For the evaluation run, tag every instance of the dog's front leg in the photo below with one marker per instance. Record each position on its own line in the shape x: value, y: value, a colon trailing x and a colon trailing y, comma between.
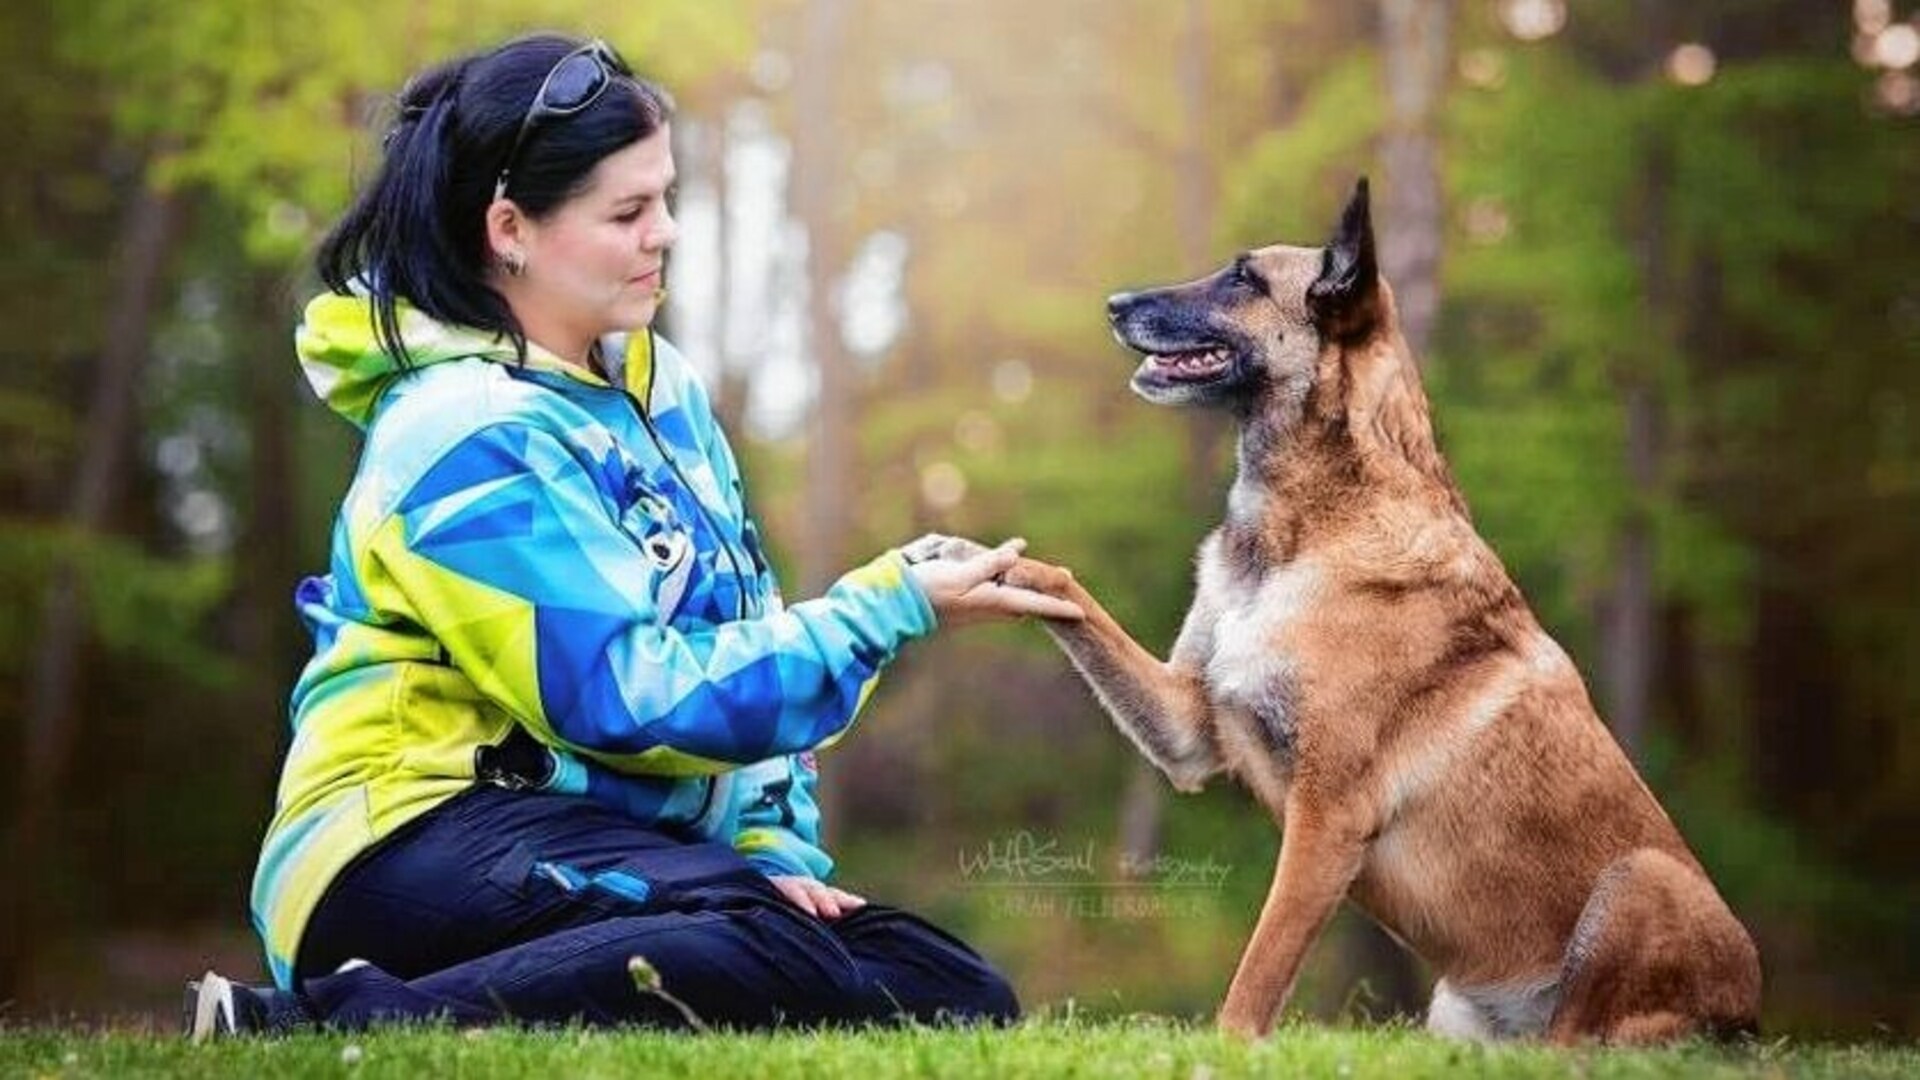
x: 1320, y: 855
x: 1162, y: 707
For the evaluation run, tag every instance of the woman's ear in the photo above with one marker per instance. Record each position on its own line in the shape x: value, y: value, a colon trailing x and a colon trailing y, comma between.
x: 507, y: 235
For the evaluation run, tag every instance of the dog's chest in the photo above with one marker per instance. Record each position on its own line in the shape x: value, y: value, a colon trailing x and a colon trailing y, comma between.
x: 1251, y: 671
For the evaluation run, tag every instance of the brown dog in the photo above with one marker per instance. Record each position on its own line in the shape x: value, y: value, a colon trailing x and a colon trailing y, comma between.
x: 1358, y: 658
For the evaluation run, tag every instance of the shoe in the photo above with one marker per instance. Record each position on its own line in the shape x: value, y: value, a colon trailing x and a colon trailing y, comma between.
x: 216, y: 1007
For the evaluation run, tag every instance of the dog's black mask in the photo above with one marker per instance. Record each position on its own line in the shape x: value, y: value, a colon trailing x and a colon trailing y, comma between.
x: 1197, y: 352
x: 1258, y: 321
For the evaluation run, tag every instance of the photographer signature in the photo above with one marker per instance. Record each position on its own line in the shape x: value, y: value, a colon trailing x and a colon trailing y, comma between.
x: 1025, y: 857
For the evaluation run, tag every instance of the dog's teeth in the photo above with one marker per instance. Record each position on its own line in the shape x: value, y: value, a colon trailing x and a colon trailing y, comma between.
x: 1191, y: 361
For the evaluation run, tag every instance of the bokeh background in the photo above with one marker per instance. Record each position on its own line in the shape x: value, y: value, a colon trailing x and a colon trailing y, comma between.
x: 1659, y: 260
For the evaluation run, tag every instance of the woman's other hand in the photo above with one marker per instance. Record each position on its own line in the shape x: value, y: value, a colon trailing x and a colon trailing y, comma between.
x: 964, y: 583
x: 816, y: 898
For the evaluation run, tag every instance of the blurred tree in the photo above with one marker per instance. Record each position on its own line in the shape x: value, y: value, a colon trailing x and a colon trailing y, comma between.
x: 819, y: 194
x: 1416, y: 60
x: 1629, y: 632
x: 1196, y: 201
x: 145, y: 243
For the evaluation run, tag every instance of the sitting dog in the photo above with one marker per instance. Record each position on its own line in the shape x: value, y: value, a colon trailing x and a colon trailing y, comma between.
x: 1357, y: 657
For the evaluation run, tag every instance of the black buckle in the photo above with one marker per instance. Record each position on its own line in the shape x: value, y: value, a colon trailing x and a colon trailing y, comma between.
x: 518, y: 762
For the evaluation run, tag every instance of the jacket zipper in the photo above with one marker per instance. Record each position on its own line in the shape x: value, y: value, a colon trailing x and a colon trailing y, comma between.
x: 733, y: 563
x: 706, y: 801
x: 646, y: 422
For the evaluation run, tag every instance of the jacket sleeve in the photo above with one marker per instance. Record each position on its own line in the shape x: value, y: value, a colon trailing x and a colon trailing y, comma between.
x: 778, y: 820
x: 507, y: 551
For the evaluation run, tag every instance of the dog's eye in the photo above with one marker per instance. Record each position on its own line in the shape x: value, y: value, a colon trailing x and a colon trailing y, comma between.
x: 1243, y: 275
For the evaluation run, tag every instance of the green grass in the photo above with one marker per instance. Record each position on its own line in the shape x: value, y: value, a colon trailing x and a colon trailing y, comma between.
x: 1046, y: 1048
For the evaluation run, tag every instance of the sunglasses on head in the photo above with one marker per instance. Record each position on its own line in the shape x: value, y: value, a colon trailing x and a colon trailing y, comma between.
x: 575, y: 81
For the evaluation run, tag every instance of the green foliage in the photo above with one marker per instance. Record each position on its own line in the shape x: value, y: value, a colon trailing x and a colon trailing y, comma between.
x: 140, y: 606
x: 1532, y: 336
x: 265, y: 103
x: 1289, y: 185
x: 31, y: 419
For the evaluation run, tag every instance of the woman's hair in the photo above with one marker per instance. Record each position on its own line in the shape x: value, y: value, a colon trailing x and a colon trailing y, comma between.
x: 418, y: 231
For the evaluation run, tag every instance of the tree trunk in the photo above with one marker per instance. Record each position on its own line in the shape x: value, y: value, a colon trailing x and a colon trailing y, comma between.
x: 816, y: 171
x: 1196, y: 204
x: 147, y: 235
x: 729, y: 387
x: 1792, y: 684
x: 1412, y: 212
x: 1415, y: 52
x: 267, y: 556
x: 1629, y: 632
x: 827, y: 514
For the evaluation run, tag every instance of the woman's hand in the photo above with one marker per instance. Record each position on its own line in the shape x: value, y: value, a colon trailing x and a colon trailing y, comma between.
x: 816, y: 898
x: 963, y: 581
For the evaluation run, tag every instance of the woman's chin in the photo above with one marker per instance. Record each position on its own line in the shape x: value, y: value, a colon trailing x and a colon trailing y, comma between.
x: 635, y: 315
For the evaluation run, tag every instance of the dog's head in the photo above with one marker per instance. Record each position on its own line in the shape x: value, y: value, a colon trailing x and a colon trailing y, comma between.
x: 1261, y: 321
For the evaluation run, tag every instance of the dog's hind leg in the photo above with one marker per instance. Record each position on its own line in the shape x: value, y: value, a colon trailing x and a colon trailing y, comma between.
x: 1161, y: 707
x: 1656, y: 955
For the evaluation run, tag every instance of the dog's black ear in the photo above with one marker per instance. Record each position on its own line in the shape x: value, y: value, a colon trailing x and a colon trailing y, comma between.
x: 1342, y: 297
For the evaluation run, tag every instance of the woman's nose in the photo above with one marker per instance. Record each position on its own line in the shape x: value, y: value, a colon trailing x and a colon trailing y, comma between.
x: 665, y: 233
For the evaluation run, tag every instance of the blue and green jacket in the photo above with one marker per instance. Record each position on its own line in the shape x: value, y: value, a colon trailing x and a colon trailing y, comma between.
x: 531, y: 554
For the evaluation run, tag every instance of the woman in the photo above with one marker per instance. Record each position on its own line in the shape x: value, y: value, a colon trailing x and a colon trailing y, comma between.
x: 552, y: 756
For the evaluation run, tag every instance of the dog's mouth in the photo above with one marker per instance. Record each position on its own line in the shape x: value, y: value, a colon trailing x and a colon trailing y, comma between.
x: 1179, y: 373
x: 1189, y: 365
x: 1189, y: 356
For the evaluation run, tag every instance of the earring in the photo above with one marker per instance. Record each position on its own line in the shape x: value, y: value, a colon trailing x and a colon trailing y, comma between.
x: 515, y: 261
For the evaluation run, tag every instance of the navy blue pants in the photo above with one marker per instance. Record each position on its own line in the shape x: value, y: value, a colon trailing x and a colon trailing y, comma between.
x: 509, y: 906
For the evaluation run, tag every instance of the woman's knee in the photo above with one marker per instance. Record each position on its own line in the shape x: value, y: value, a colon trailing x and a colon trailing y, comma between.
x: 989, y: 1000
x: 927, y: 974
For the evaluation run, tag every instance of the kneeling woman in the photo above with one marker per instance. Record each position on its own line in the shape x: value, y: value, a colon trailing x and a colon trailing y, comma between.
x: 558, y: 720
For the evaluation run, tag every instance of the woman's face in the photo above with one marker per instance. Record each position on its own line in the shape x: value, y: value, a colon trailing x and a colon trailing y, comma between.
x: 597, y: 262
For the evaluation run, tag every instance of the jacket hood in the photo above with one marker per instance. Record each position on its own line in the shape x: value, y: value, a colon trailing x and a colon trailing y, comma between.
x: 341, y: 354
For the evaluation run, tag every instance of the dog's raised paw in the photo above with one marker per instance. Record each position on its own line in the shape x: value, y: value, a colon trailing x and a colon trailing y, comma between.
x: 1040, y: 577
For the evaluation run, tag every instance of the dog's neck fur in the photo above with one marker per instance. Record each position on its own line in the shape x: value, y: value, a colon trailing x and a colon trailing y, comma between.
x: 1308, y: 445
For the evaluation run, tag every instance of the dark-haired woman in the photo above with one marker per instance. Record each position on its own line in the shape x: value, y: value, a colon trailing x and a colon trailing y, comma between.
x: 552, y: 757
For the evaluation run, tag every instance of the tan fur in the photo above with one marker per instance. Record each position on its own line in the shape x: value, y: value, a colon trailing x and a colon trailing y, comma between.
x: 1358, y: 659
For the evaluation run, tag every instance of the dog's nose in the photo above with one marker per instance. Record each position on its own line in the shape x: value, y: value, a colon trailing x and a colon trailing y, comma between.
x: 1117, y: 303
